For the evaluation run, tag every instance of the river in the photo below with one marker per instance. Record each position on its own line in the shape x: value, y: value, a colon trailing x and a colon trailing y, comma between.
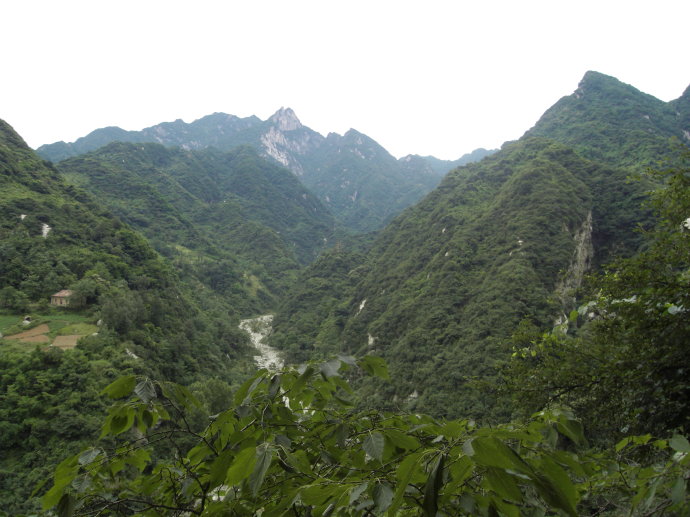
x: 258, y: 329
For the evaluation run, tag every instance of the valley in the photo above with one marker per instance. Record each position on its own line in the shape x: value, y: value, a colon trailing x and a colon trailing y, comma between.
x: 348, y: 319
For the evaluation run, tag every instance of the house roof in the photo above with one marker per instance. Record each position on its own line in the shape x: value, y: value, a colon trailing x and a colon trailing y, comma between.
x: 62, y: 294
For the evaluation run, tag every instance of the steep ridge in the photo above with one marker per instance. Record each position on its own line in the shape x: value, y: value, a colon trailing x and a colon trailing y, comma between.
x: 505, y: 239
x: 449, y: 280
x: 362, y: 184
x: 612, y: 122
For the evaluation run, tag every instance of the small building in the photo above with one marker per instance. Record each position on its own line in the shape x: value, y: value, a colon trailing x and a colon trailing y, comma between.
x: 61, y: 298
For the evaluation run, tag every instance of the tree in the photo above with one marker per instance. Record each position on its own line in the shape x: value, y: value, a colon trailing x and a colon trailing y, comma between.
x: 12, y: 299
x: 293, y: 444
x: 626, y: 368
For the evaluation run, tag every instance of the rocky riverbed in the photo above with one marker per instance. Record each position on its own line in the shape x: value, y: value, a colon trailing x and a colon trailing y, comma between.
x: 259, y: 329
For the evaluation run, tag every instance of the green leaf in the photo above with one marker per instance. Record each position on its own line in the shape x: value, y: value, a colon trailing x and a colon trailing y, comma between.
x: 555, y: 486
x: 383, y: 497
x: 301, y: 381
x: 348, y: 359
x: 572, y: 429
x: 181, y: 395
x: 454, y: 429
x: 145, y: 390
x: 373, y: 445
x: 402, y: 440
x: 433, y: 487
x: 247, y: 387
x: 623, y: 443
x: 146, y: 419
x: 264, y: 455
x: 461, y: 469
x: 404, y: 473
x: 138, y: 458
x: 299, y: 461
x: 121, y: 419
x: 120, y: 388
x: 274, y: 387
x: 330, y: 368
x: 65, y: 473
x: 241, y: 467
x: 341, y: 433
x: 219, y: 467
x: 679, y: 443
x: 65, y: 507
x: 198, y: 453
x: 504, y: 508
x: 503, y: 484
x: 357, y: 491
x: 87, y: 457
x: 678, y: 491
x: 492, y: 452
x: 375, y: 366
x: 317, y: 493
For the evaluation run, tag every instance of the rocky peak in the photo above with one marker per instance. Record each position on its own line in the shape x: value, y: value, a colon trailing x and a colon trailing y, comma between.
x: 285, y: 120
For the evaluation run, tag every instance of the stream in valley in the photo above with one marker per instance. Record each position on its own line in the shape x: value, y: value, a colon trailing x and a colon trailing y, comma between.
x: 259, y: 329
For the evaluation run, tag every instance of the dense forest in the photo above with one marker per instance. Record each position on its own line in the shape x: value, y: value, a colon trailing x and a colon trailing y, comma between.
x: 514, y: 343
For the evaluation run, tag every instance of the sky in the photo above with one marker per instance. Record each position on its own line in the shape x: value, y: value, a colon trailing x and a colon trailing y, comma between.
x: 425, y: 77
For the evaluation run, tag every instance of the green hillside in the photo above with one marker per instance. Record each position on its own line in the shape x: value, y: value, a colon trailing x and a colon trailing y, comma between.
x: 532, y: 299
x: 612, y: 122
x: 447, y: 282
x: 230, y: 208
x: 509, y: 238
x: 55, y: 236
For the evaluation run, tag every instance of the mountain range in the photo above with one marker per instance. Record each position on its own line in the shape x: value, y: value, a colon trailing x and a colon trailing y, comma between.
x: 507, y: 239
x: 357, y: 179
x: 170, y: 235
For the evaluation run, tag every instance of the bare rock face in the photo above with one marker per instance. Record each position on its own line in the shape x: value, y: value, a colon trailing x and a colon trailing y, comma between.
x: 579, y: 265
x: 286, y: 140
x: 285, y: 120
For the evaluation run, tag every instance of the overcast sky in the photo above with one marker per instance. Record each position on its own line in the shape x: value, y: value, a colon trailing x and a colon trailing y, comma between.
x: 422, y: 77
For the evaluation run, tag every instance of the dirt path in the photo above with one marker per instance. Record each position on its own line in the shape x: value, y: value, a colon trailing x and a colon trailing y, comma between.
x: 36, y: 331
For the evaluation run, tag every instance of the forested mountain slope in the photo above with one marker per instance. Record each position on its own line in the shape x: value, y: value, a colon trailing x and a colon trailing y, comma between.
x: 233, y: 208
x: 612, y: 122
x: 448, y: 281
x: 54, y: 236
x: 358, y: 180
x: 509, y: 238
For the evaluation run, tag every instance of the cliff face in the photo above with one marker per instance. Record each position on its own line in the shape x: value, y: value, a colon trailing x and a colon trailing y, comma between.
x: 580, y: 264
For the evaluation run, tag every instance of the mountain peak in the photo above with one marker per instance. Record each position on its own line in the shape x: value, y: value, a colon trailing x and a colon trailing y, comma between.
x: 285, y: 119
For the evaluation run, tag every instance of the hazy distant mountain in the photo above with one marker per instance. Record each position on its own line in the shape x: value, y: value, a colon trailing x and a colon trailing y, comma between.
x: 442, y: 167
x: 356, y: 178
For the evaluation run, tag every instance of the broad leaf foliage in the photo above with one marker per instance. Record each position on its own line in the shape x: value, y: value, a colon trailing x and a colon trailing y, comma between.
x: 291, y: 444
